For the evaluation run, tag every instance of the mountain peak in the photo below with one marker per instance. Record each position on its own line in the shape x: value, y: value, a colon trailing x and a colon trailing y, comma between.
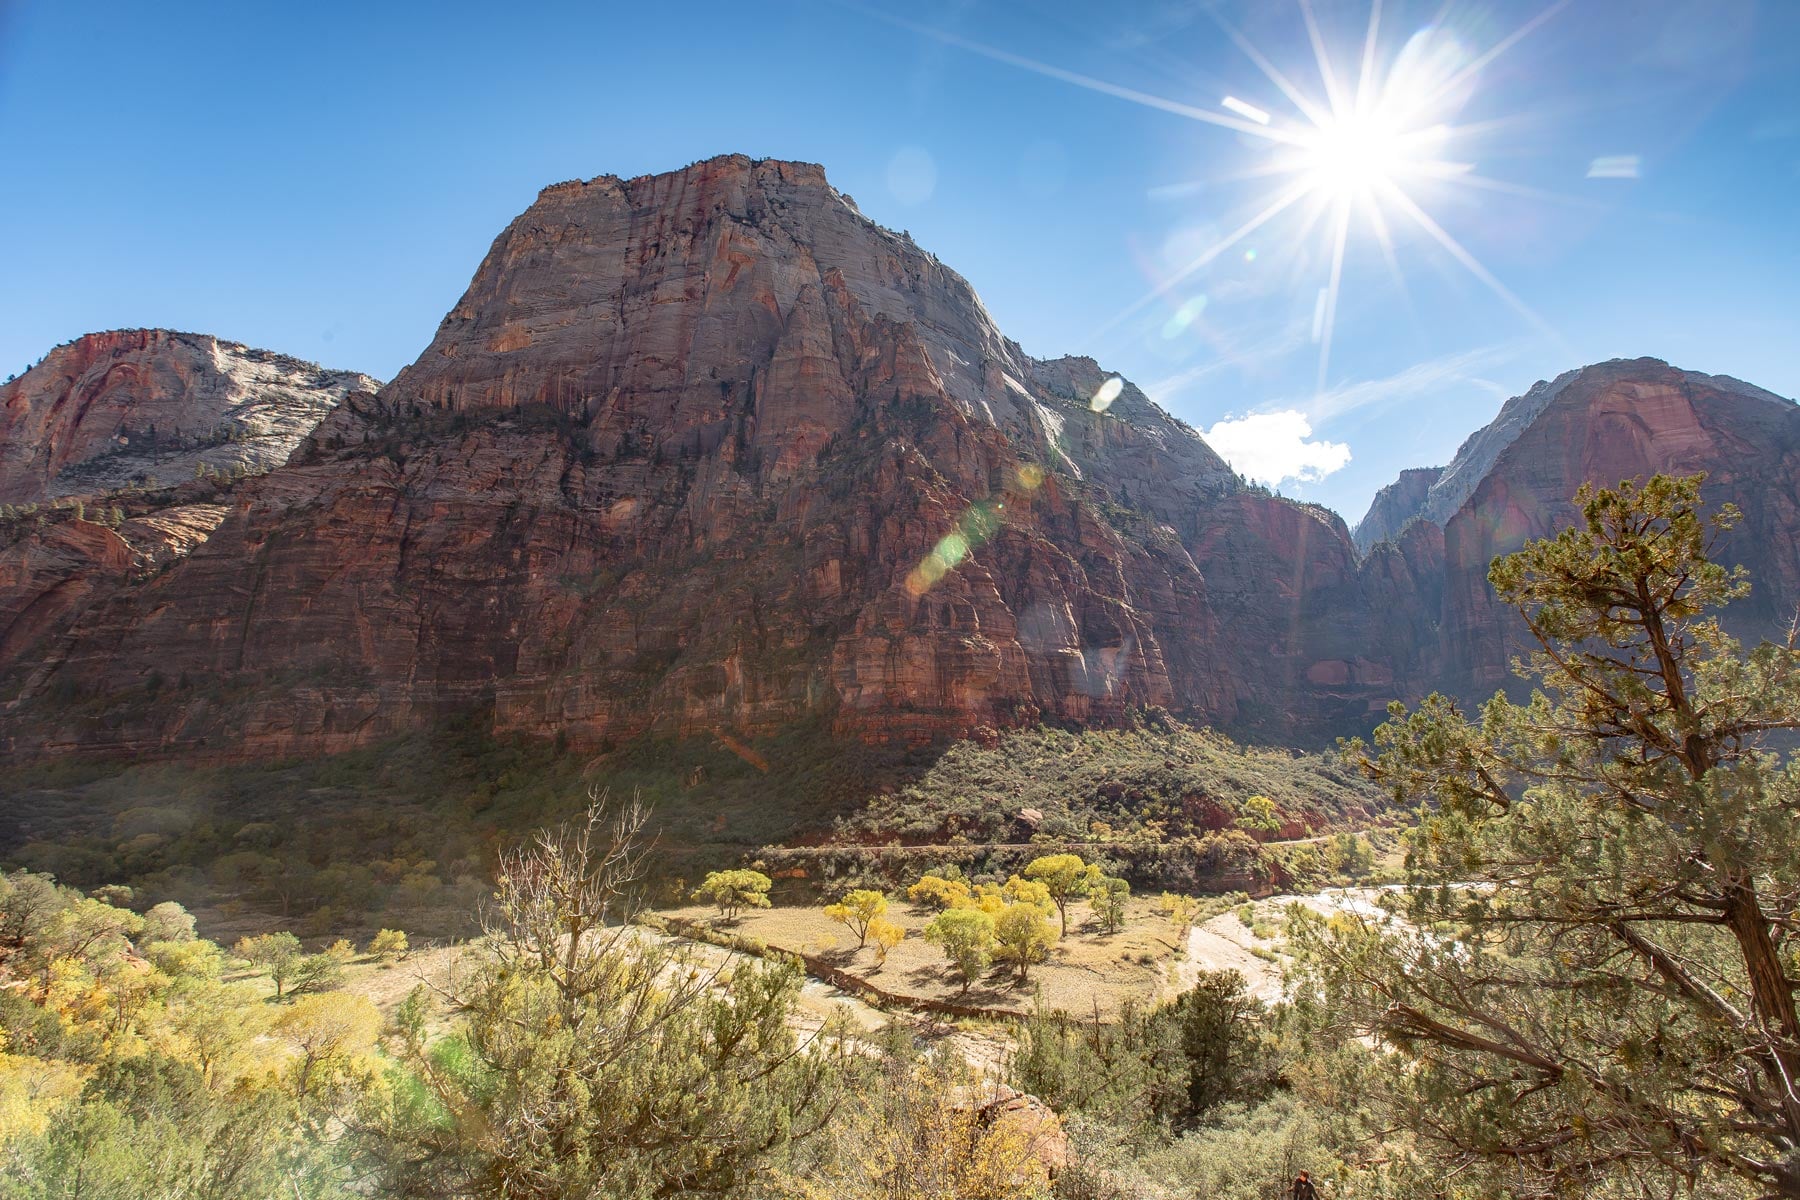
x: 708, y: 450
x: 127, y: 405
x: 1665, y: 406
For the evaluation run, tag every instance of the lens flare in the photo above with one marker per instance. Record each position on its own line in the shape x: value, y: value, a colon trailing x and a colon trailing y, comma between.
x: 979, y: 523
x: 1106, y: 394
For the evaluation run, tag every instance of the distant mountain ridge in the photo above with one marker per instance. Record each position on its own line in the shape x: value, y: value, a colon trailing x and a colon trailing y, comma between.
x: 151, y: 406
x: 1436, y: 493
x: 709, y: 453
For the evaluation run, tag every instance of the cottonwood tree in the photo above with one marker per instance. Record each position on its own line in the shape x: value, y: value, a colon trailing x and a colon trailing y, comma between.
x: 1066, y: 877
x: 886, y: 935
x: 594, y: 1059
x: 1108, y: 897
x: 1023, y: 936
x: 1590, y: 985
x: 966, y: 936
x: 734, y: 891
x: 858, y: 911
x: 939, y: 891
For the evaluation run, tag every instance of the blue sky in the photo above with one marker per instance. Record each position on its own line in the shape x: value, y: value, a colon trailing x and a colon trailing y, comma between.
x: 322, y: 179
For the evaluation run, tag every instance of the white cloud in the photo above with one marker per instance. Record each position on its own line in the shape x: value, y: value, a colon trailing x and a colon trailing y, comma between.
x: 1270, y: 447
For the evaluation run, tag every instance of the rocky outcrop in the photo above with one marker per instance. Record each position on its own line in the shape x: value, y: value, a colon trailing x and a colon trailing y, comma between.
x: 1028, y: 1124
x: 143, y: 406
x: 1395, y: 506
x: 711, y: 451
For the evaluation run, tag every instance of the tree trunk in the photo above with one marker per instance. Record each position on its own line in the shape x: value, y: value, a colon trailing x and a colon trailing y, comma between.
x: 1771, y: 992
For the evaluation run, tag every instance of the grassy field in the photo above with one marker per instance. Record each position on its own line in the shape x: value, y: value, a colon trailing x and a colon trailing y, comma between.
x: 1087, y: 968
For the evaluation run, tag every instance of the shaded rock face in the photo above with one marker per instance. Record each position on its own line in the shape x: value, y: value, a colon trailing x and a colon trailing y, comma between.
x: 1624, y: 420
x: 55, y: 564
x: 1394, y: 506
x: 49, y: 575
x: 147, y: 405
x: 710, y: 451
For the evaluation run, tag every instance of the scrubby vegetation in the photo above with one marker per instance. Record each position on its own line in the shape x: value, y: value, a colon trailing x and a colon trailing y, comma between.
x: 137, y: 1060
x: 1158, y: 779
x: 573, y: 1055
x: 403, y: 834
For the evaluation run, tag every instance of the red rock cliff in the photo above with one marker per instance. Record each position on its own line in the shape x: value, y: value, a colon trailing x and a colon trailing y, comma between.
x: 1618, y: 420
x: 709, y: 450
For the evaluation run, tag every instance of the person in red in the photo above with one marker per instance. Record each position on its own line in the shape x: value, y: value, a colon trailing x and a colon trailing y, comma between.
x: 1303, y: 1188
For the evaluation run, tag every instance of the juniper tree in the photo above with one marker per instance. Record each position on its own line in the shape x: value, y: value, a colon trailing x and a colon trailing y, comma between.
x: 592, y: 1059
x: 1589, y: 986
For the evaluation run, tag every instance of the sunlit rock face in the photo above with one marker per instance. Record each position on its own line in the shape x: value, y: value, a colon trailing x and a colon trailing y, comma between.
x: 1513, y: 479
x: 710, y: 451
x: 146, y: 406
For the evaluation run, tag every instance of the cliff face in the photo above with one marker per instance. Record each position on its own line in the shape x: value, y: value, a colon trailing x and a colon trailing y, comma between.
x: 147, y: 405
x: 1394, y: 505
x: 1513, y: 480
x: 710, y: 451
x: 1623, y: 420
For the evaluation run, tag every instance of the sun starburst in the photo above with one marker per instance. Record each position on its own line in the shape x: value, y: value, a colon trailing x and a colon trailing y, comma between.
x: 1357, y: 157
x: 1354, y: 159
x: 1354, y: 154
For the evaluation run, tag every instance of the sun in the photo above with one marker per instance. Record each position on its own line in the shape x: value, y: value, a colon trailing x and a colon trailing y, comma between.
x: 1353, y: 156
x: 1355, y: 153
x: 1361, y: 151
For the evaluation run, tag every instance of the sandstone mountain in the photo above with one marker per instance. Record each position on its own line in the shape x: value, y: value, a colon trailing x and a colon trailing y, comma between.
x: 148, y: 406
x: 1394, y: 506
x: 1624, y: 419
x: 125, y: 421
x: 710, y: 451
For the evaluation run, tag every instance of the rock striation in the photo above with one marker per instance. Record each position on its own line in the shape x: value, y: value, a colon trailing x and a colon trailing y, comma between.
x: 1513, y: 480
x: 710, y: 451
x: 147, y: 406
